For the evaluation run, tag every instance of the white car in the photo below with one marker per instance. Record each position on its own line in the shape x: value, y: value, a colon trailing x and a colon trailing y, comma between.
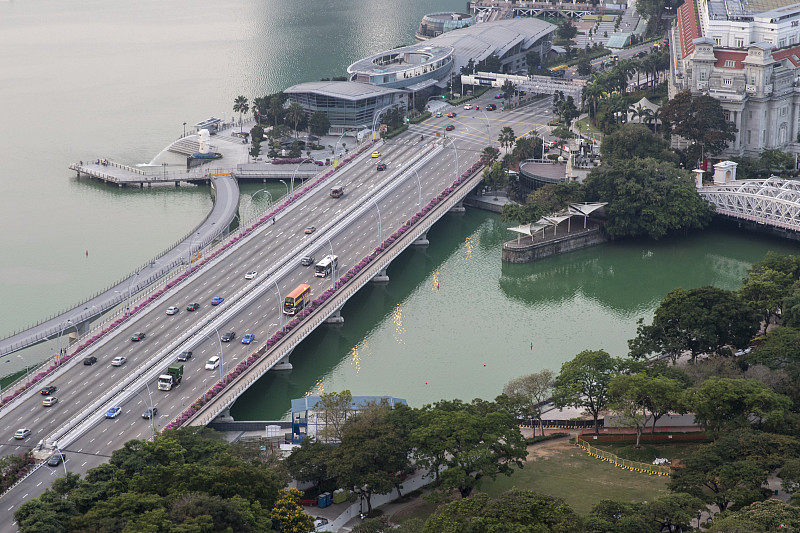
x: 212, y: 363
x: 251, y: 275
x: 172, y: 310
x: 118, y: 361
x: 50, y: 401
x: 467, y: 106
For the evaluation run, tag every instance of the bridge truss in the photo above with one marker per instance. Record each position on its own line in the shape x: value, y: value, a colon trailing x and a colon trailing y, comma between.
x: 773, y: 201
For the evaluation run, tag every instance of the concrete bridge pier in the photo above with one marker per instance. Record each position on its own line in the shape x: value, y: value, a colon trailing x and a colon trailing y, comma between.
x: 284, y: 363
x: 82, y: 329
x: 458, y: 208
x: 422, y: 240
x: 381, y: 276
x: 335, y: 318
x: 224, y: 416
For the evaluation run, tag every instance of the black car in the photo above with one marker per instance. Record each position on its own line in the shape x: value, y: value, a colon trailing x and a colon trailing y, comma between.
x: 184, y: 356
x: 48, y: 390
x: 640, y: 54
x: 89, y: 361
x: 193, y: 307
x: 228, y: 337
x: 307, y: 260
x: 381, y: 166
x: 150, y: 413
x: 56, y: 459
x: 491, y: 107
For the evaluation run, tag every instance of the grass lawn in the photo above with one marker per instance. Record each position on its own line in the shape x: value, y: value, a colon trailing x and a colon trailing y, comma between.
x: 581, y: 126
x: 566, y: 471
x: 648, y: 452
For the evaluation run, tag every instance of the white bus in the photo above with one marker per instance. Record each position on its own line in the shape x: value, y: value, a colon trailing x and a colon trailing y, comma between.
x: 326, y: 266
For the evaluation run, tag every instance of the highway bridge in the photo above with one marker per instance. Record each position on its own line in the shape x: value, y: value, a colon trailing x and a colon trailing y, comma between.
x: 368, y: 221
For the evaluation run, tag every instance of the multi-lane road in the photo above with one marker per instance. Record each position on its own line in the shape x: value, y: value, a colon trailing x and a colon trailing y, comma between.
x: 250, y: 306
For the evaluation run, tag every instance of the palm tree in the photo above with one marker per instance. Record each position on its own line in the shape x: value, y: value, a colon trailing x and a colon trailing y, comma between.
x: 240, y: 106
x: 276, y: 108
x: 592, y: 94
x: 295, y: 114
x: 260, y: 107
x: 506, y: 137
x: 638, y: 111
x: 489, y: 154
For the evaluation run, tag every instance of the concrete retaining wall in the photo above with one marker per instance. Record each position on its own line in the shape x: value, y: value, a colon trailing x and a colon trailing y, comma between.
x: 521, y: 253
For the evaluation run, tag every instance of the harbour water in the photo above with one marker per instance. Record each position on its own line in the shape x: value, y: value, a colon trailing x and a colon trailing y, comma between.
x: 88, y: 79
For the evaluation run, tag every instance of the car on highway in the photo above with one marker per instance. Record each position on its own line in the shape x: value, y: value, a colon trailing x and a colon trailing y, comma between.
x: 172, y: 310
x: 212, y: 363
x: 184, y: 356
x: 113, y: 412
x: 451, y: 115
x: 150, y: 413
x: 449, y: 127
x: 498, y: 96
x: 89, y: 361
x: 491, y: 107
x: 467, y: 106
x: 50, y: 400
x: 216, y: 300
x: 640, y: 54
x: 228, y: 336
x: 381, y: 166
x: 56, y: 459
x: 119, y: 361
x: 248, y: 338
x: 137, y: 336
x: 438, y: 114
x: 376, y: 154
x: 251, y: 275
x: 193, y: 307
x: 309, y: 230
x: 307, y: 260
x: 50, y: 389
x: 23, y: 433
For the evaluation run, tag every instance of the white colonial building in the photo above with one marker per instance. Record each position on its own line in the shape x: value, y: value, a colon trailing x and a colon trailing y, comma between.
x: 748, y: 58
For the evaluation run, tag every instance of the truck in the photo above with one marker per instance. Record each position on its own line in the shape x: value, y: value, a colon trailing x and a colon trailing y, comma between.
x: 172, y: 377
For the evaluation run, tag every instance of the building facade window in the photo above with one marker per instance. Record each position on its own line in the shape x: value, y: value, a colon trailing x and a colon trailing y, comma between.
x: 739, y: 44
x: 730, y: 63
x: 702, y: 75
x: 727, y: 82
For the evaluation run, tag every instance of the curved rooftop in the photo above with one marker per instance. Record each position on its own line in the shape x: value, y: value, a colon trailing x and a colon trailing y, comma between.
x: 402, y: 67
x: 435, y: 24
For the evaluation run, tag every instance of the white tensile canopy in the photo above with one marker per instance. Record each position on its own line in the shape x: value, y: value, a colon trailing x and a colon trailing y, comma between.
x: 583, y: 209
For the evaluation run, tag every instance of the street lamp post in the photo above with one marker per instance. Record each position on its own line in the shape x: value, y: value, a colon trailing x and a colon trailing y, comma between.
x: 298, y: 168
x: 164, y: 166
x: 27, y: 368
x: 189, y: 258
x: 280, y: 304
x: 419, y: 184
x: 128, y: 303
x: 58, y: 340
x: 152, y: 411
x: 221, y: 356
x: 252, y: 205
x: 63, y: 459
x: 285, y: 185
x: 380, y: 229
x: 184, y: 129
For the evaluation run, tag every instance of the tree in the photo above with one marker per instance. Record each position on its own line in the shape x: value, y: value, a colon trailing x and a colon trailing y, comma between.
x: 529, y: 393
x: 295, y: 114
x: 776, y: 160
x: 583, y: 382
x: 513, y: 511
x: 780, y: 350
x: 534, y: 61
x: 765, y: 291
x: 566, y: 30
x: 634, y: 140
x: 758, y: 517
x: 288, y: 515
x: 526, y: 148
x: 371, y: 452
x: 506, y: 137
x: 641, y: 397
x: 319, y: 124
x: 720, y: 403
x: 508, y: 89
x: 699, y: 119
x: 309, y: 462
x: 490, y: 64
x: 647, y: 197
x: 555, y: 197
x: 584, y: 66
x: 495, y: 175
x: 333, y: 409
x: 276, y: 109
x: 467, y: 443
x: 561, y: 133
x: 489, y: 155
x: 699, y: 321
x: 240, y: 106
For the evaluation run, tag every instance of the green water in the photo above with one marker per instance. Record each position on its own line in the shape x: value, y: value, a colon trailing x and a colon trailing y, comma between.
x: 488, y: 321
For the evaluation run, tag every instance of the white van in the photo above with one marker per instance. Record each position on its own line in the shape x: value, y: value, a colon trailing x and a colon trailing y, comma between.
x: 213, y: 363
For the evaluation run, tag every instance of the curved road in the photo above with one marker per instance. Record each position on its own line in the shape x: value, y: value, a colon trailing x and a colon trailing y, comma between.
x: 226, y: 204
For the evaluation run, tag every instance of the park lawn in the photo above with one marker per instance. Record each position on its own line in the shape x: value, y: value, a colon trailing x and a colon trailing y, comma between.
x: 562, y: 469
x: 648, y: 452
x: 587, y: 128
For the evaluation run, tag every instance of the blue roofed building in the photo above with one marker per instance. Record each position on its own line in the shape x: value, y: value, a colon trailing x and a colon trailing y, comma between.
x: 310, y: 418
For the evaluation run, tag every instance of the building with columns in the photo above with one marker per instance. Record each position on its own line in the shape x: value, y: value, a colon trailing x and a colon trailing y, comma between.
x: 757, y: 82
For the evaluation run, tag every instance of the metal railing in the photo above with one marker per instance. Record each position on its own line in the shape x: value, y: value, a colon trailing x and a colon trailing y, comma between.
x: 634, y: 466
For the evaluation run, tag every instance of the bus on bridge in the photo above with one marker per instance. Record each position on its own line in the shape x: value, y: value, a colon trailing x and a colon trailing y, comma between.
x: 297, y: 300
x: 328, y: 264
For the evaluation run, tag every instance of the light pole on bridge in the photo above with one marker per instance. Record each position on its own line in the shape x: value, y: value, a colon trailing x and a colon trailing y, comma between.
x: 287, y: 187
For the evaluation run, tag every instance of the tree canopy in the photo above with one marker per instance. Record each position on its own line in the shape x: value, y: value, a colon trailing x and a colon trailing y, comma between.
x: 699, y: 119
x: 647, y: 197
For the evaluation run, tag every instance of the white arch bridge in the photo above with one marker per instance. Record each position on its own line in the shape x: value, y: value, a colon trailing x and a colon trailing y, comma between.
x: 773, y: 201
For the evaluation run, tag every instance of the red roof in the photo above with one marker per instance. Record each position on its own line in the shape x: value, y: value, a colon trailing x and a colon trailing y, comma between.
x: 792, y: 54
x: 723, y: 56
x: 688, y: 28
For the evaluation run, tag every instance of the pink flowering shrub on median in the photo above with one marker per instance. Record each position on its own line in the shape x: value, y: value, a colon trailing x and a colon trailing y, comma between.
x: 315, y: 304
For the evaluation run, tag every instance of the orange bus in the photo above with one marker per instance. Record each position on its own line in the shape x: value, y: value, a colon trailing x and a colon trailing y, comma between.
x: 297, y: 300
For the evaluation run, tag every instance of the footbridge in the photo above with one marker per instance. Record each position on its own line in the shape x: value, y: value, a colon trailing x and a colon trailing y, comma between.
x: 770, y: 202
